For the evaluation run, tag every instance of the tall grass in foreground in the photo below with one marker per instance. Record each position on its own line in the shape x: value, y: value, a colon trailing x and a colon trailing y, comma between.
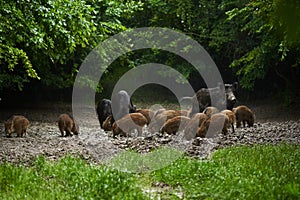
x: 70, y: 178
x: 258, y: 172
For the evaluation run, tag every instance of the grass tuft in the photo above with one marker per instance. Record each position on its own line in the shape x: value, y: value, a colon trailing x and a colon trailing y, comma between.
x: 258, y: 172
x: 70, y: 178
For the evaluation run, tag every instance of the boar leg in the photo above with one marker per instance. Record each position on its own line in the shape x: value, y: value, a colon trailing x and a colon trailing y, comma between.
x: 19, y: 133
x: 244, y: 123
x: 68, y: 132
x: 61, y: 131
x: 224, y: 131
x: 140, y: 131
x: 238, y: 124
x: 24, y: 132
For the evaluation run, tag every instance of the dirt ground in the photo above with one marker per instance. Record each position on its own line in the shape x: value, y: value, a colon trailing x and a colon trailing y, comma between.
x: 274, y: 124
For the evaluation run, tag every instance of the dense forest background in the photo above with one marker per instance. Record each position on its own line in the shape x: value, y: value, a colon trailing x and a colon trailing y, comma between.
x: 43, y: 43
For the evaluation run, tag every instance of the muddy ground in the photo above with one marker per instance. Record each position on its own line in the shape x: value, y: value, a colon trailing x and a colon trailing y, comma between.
x: 275, y: 123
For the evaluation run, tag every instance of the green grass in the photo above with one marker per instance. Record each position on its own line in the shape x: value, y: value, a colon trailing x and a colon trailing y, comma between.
x: 70, y: 178
x: 133, y: 162
x: 257, y: 172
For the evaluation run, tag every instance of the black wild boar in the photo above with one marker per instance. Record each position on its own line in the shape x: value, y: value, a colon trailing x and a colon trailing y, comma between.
x: 18, y: 124
x: 103, y: 110
x: 230, y: 97
x: 201, y: 99
x: 121, y: 105
x: 67, y: 124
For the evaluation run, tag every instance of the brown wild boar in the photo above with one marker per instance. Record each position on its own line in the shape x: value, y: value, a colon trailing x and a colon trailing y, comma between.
x: 193, y: 125
x: 147, y: 113
x: 209, y: 111
x: 243, y: 114
x: 185, y: 113
x: 213, y: 123
x: 171, y: 113
x: 67, y: 124
x: 128, y: 123
x: 17, y: 124
x: 159, y: 111
x: 171, y: 126
x: 107, y: 124
x: 161, y: 118
x: 230, y: 114
x: 157, y: 122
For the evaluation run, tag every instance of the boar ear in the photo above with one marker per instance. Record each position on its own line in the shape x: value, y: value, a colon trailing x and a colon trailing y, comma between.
x: 235, y: 86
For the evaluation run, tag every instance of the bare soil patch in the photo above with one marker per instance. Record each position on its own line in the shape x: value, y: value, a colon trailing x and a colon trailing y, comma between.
x: 275, y: 123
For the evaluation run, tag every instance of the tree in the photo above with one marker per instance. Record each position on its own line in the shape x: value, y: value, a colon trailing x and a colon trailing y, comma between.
x: 47, y: 40
x: 251, y: 38
x: 274, y: 47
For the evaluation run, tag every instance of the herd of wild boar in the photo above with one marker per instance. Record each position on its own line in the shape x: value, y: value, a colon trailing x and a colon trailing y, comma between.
x: 120, y: 116
x: 194, y: 122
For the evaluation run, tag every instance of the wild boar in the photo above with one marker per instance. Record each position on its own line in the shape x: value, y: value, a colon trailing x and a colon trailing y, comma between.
x: 149, y: 114
x: 243, y: 114
x: 18, y: 124
x: 103, y: 110
x: 193, y: 125
x: 230, y: 114
x: 185, y: 113
x: 230, y: 96
x: 121, y: 105
x: 171, y: 113
x: 213, y: 123
x: 201, y: 99
x: 171, y: 126
x: 67, y: 124
x: 209, y: 111
x: 128, y: 123
x: 161, y: 118
x: 107, y: 126
x: 159, y: 111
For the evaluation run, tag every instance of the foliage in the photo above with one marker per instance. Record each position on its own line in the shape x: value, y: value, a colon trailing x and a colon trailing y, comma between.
x: 47, y: 34
x: 258, y: 172
x: 70, y: 178
x: 263, y: 23
x: 48, y: 40
x: 255, y: 38
x: 11, y: 57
